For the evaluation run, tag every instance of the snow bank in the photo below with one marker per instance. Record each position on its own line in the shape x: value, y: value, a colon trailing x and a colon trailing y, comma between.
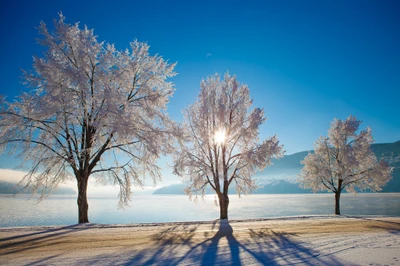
x: 309, y: 240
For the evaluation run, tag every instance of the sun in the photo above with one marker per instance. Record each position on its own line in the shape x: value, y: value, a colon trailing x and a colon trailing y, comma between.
x: 219, y: 136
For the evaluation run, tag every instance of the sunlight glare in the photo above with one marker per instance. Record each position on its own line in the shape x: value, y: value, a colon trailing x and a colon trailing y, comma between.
x: 219, y: 136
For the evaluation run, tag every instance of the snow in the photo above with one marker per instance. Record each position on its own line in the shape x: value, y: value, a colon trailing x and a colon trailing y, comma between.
x: 306, y: 240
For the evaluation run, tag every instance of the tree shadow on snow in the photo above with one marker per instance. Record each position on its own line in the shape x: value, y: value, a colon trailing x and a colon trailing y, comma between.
x: 385, y: 225
x: 260, y: 247
x: 23, y: 242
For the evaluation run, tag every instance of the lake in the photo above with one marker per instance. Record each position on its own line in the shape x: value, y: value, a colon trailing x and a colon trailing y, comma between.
x: 62, y: 210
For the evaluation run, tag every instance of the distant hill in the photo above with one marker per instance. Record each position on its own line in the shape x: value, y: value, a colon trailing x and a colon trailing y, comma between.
x: 281, y: 175
x: 386, y: 148
x: 281, y: 186
x: 171, y: 189
x: 12, y: 188
x: 287, y: 167
x: 391, y: 153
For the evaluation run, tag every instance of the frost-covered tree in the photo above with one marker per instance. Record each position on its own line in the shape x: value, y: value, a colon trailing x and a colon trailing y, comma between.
x: 92, y: 111
x: 221, y: 144
x: 344, y: 161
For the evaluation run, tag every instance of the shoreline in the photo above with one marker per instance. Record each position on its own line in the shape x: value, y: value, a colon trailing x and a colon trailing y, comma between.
x: 203, y: 222
x: 301, y: 240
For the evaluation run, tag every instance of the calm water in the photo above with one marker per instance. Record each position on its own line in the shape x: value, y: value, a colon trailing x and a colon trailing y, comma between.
x: 62, y: 210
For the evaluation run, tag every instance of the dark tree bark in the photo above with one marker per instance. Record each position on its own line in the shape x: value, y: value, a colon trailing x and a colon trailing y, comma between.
x: 83, y: 205
x: 223, y: 206
x: 337, y: 196
x: 337, y: 203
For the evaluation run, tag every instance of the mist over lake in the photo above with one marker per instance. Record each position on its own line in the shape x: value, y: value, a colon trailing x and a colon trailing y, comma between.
x: 22, y: 210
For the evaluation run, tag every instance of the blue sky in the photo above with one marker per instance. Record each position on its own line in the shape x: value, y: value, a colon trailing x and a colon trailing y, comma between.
x: 306, y: 62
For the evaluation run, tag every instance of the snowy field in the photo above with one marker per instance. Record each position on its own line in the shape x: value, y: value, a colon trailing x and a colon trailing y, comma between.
x: 309, y: 240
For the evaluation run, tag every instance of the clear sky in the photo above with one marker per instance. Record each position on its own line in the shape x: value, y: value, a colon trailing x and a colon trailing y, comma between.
x: 306, y: 62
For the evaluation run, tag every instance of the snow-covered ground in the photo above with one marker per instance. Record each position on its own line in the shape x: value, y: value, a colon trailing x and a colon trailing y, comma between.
x: 311, y: 240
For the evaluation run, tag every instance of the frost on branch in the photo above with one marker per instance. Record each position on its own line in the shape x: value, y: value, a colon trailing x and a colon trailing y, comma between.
x: 221, y: 142
x: 344, y: 161
x: 92, y: 111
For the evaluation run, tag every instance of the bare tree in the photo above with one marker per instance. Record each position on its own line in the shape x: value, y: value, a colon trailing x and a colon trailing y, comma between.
x: 344, y: 161
x: 91, y: 111
x: 221, y: 144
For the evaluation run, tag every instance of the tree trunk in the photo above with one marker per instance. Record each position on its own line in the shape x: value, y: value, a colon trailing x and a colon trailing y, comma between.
x: 83, y: 205
x: 337, y: 203
x: 223, y: 206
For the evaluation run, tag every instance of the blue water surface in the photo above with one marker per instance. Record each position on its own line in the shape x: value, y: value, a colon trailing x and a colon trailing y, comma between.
x: 22, y: 210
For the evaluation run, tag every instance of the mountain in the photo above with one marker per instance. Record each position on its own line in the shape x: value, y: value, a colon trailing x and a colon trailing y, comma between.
x: 171, y: 189
x: 281, y: 186
x: 386, y: 148
x: 391, y: 153
x: 12, y: 188
x: 280, y: 177
x: 287, y: 167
